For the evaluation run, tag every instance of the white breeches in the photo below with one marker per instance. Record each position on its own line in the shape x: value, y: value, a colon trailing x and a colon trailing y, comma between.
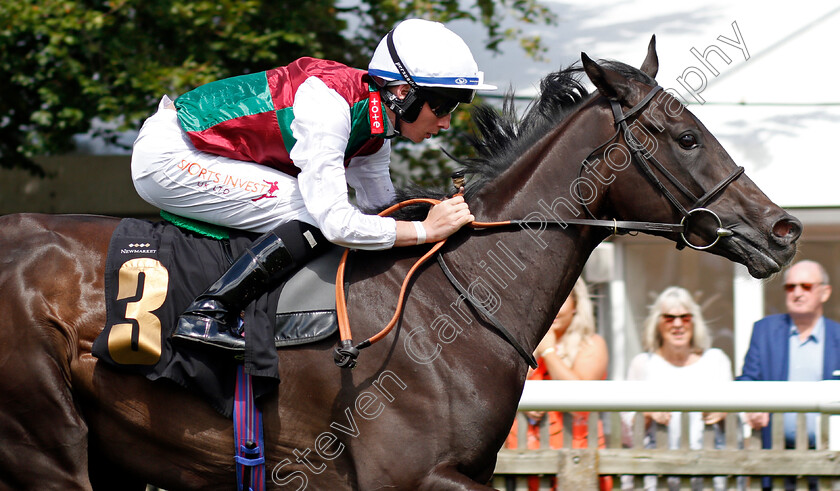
x: 168, y: 172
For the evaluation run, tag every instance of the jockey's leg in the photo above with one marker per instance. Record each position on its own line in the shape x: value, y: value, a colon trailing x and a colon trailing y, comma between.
x: 267, y: 261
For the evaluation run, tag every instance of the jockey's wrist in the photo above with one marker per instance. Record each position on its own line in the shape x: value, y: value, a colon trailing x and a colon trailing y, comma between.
x: 421, y: 232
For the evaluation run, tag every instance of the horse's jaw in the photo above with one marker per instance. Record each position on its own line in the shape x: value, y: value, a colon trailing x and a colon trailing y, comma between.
x: 761, y: 262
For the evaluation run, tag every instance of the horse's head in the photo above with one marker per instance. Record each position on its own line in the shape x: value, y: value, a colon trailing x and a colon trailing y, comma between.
x: 664, y: 166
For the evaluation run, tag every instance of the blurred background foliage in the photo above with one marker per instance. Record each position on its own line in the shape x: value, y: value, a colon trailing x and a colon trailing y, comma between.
x: 68, y: 63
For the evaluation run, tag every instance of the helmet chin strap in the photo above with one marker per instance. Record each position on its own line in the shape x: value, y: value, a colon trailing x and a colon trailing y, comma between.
x: 391, y: 100
x: 397, y: 126
x: 407, y: 108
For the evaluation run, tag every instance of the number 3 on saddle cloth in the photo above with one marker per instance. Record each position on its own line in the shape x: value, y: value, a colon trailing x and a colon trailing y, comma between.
x: 155, y: 270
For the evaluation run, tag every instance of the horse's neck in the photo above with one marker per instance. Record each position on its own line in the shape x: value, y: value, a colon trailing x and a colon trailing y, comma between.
x: 522, y: 275
x: 543, y: 264
x: 547, y: 170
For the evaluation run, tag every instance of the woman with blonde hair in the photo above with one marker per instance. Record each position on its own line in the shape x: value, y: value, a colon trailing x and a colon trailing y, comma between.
x: 570, y: 350
x: 677, y: 350
x: 677, y: 298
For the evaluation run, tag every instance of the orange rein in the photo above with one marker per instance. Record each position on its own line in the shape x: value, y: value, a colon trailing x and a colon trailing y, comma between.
x: 341, y: 301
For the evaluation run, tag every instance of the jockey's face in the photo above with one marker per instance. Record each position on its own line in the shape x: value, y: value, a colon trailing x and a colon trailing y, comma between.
x: 426, y: 125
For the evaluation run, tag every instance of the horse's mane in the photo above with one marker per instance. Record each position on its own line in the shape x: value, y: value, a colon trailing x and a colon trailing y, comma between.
x: 502, y: 137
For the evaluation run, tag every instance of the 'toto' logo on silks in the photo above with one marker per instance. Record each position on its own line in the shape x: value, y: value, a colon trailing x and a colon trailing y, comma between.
x: 377, y: 124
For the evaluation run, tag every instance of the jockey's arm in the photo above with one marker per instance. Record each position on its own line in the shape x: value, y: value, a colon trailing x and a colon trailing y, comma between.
x: 322, y: 128
x: 370, y: 177
x: 444, y: 220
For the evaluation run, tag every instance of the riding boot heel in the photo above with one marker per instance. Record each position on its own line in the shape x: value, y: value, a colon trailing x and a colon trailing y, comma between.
x: 214, y: 316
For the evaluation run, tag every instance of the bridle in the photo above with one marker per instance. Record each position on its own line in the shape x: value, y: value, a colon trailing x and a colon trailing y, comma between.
x: 644, y: 160
x: 346, y: 353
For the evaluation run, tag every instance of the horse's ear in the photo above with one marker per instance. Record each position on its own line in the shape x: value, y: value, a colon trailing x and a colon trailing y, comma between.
x: 610, y: 83
x: 651, y: 64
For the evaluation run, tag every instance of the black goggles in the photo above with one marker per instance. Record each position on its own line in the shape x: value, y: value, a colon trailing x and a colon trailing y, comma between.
x: 444, y: 101
x: 443, y: 107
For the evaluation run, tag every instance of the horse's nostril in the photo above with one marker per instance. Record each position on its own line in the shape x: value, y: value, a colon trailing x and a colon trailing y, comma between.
x: 787, y: 228
x: 782, y: 228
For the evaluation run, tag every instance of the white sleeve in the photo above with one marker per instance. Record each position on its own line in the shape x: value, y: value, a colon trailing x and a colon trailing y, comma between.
x: 723, y: 365
x: 636, y: 371
x: 321, y: 128
x: 370, y: 177
x: 638, y: 367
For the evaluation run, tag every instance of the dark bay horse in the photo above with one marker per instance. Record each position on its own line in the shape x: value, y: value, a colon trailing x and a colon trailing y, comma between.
x: 429, y: 406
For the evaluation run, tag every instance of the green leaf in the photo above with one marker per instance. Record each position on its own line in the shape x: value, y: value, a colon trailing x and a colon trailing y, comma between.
x: 69, y: 62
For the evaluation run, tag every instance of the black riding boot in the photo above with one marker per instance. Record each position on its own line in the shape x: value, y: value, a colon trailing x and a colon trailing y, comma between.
x: 269, y: 259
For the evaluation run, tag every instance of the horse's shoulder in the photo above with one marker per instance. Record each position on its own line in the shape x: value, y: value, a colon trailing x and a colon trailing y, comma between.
x: 59, y: 258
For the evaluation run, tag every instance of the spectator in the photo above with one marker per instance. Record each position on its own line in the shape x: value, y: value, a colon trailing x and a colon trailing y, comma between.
x: 799, y: 345
x: 677, y: 345
x: 570, y: 350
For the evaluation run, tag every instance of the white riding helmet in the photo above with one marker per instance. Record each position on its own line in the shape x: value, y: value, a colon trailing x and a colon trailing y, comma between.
x: 433, y: 60
x: 433, y: 55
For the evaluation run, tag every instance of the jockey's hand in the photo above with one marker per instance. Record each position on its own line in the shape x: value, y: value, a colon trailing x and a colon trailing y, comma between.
x: 446, y: 218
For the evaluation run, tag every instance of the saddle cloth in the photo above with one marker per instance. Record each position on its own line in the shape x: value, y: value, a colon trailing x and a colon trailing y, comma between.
x: 154, y: 271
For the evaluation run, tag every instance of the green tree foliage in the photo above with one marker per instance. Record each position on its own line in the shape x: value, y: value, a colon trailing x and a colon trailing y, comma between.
x: 66, y: 63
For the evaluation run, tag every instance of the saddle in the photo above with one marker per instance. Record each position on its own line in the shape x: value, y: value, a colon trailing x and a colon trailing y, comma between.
x: 154, y: 270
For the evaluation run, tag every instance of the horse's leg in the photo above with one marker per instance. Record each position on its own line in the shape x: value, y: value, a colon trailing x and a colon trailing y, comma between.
x: 44, y: 437
x: 445, y: 477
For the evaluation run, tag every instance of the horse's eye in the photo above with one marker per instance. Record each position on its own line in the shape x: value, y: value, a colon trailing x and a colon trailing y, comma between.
x: 687, y: 141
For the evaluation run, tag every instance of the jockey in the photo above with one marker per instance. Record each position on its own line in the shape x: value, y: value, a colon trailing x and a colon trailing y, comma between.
x: 273, y: 152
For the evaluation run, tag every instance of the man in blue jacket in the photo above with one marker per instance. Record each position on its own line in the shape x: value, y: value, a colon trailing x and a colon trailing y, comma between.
x: 799, y: 345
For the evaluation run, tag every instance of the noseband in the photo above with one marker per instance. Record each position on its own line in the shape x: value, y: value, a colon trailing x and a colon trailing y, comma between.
x: 646, y: 159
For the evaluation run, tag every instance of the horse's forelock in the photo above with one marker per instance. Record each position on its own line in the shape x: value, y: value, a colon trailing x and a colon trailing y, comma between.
x: 628, y: 71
